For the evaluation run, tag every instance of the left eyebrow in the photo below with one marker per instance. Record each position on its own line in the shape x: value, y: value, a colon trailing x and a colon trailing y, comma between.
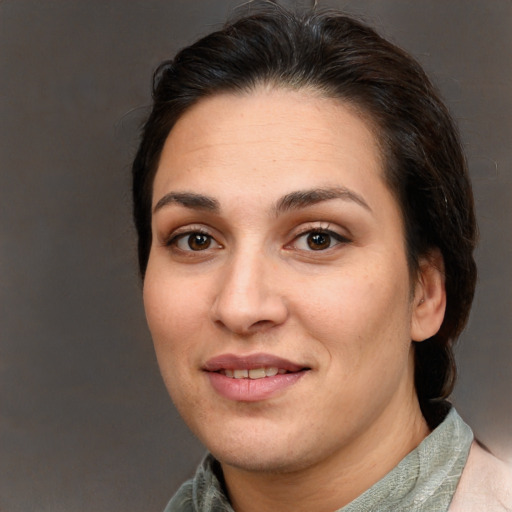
x: 188, y: 200
x: 305, y: 198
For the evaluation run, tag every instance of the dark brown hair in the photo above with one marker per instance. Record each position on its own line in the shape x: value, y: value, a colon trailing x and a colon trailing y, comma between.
x: 341, y: 58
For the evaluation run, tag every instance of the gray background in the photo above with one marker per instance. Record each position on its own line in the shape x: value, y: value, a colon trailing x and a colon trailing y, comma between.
x: 85, y: 423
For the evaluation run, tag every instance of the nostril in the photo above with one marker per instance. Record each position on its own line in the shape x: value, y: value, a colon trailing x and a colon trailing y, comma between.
x: 248, y: 328
x: 262, y: 323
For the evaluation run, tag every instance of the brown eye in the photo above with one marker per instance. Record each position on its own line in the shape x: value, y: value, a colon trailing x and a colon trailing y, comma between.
x: 194, y: 241
x: 318, y: 241
x: 198, y: 241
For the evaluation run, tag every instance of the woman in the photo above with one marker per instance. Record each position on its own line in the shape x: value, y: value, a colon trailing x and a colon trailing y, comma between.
x: 306, y: 230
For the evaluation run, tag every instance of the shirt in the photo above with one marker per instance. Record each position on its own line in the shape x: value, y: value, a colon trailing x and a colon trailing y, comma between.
x: 424, y: 480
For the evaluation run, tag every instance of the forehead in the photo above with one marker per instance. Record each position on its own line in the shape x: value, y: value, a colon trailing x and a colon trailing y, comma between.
x: 282, y: 137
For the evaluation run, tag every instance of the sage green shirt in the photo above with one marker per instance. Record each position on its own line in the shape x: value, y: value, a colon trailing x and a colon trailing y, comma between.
x: 424, y: 481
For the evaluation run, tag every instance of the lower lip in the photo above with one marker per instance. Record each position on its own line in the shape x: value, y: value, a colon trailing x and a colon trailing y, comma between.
x: 252, y: 390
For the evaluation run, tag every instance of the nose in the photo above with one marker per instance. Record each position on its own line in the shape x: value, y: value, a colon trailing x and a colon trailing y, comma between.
x: 248, y: 298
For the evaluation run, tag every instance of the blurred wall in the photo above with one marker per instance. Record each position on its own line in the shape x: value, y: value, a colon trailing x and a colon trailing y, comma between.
x: 85, y: 423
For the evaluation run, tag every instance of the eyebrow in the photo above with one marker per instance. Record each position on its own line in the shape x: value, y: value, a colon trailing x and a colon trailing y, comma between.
x: 305, y: 198
x: 292, y: 201
x: 189, y: 200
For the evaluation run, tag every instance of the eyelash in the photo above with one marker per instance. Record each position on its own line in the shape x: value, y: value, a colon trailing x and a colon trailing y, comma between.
x: 333, y: 239
x: 175, y: 238
x: 332, y: 235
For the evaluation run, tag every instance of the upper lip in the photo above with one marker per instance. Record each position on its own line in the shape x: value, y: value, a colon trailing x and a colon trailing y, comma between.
x: 250, y: 362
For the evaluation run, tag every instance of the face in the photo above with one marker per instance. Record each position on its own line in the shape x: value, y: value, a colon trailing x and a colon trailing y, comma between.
x: 277, y: 290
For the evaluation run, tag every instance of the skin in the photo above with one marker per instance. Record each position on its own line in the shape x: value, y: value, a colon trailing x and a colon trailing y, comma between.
x: 347, y: 309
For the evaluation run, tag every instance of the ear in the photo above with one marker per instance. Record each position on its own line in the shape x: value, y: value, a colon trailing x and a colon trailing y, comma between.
x: 429, y: 302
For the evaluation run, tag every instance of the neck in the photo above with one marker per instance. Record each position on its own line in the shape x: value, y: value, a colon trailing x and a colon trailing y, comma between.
x: 336, y: 481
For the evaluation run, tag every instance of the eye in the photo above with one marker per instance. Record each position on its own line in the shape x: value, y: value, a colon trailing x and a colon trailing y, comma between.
x: 194, y: 241
x: 318, y: 240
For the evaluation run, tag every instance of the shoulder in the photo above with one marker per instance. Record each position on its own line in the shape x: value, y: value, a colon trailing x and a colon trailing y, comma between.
x: 485, y: 484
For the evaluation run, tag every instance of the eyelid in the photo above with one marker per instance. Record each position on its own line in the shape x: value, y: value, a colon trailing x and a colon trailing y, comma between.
x: 183, y: 231
x: 322, y: 229
x: 172, y: 239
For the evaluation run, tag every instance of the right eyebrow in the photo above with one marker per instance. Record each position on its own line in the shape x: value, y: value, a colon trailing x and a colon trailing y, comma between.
x: 189, y: 200
x: 305, y: 198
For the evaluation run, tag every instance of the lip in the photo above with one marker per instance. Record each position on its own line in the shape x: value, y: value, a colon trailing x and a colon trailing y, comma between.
x: 252, y: 390
x: 250, y: 362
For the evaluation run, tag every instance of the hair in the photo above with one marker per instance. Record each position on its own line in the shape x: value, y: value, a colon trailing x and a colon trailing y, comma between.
x: 342, y: 58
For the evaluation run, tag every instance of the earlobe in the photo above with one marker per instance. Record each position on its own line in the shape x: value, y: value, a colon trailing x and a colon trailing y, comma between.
x: 429, y: 303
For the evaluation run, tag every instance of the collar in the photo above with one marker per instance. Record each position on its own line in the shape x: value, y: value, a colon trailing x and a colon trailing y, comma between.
x: 423, y: 481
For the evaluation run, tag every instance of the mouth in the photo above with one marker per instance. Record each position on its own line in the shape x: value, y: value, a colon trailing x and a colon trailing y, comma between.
x: 253, y: 373
x: 252, y: 378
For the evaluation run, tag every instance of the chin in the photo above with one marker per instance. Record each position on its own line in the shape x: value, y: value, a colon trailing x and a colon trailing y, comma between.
x: 270, y: 450
x: 277, y: 463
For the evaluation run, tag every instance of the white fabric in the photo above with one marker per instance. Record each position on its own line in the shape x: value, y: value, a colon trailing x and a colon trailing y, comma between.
x: 485, y: 484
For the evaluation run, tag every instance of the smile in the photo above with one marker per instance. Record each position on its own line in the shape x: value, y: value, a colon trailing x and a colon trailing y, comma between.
x: 255, y: 373
x: 252, y: 378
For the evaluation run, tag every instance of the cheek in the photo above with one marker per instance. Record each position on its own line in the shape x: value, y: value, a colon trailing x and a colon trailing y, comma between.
x: 171, y: 300
x: 361, y: 315
x: 172, y: 319
x: 172, y: 307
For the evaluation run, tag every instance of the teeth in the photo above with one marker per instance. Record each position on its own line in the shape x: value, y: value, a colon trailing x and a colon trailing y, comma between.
x: 255, y: 373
